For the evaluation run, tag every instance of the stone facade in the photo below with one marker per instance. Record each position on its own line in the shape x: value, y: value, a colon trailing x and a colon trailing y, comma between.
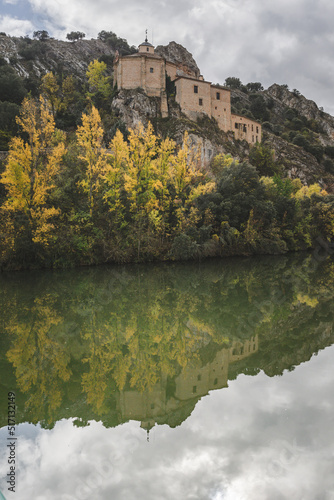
x: 195, y: 96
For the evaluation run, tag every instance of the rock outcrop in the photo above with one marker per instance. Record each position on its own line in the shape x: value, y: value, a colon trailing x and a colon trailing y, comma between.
x: 283, y: 98
x: 32, y: 58
x: 177, y: 54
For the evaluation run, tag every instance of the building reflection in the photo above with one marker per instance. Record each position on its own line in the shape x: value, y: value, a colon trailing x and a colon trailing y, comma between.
x: 171, y: 402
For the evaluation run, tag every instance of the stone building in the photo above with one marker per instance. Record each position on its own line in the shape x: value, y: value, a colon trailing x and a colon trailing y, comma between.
x: 147, y: 70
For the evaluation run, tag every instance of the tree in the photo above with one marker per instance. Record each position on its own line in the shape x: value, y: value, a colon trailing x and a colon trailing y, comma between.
x: 31, y: 170
x: 254, y: 86
x: 259, y: 109
x: 93, y: 154
x: 50, y: 90
x: 41, y: 35
x: 117, y: 43
x: 233, y: 83
x: 12, y: 88
x: 98, y: 82
x: 139, y: 180
x: 75, y: 35
x: 262, y: 157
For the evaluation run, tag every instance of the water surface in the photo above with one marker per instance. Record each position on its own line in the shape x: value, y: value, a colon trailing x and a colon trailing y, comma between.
x: 177, y: 381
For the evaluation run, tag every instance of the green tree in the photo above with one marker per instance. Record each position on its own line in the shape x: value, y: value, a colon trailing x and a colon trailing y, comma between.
x: 41, y: 35
x: 254, y: 87
x: 262, y: 157
x: 75, y: 35
x: 233, y: 82
x: 12, y: 88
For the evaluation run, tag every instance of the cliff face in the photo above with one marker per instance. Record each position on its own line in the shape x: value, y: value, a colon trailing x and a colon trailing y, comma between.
x: 283, y: 98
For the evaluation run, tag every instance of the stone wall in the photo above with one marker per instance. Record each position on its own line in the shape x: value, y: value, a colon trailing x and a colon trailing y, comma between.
x: 221, y: 106
x: 246, y: 129
x: 194, y: 96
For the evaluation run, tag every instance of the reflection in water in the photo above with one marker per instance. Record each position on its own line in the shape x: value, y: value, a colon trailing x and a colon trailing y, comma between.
x: 147, y: 342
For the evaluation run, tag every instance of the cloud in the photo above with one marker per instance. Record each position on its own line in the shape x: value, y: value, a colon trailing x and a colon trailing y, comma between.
x: 15, y: 27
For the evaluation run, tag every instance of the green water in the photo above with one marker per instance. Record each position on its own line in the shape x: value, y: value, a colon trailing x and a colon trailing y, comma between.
x: 186, y: 381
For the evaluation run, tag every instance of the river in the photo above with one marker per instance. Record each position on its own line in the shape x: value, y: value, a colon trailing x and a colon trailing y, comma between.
x: 192, y: 381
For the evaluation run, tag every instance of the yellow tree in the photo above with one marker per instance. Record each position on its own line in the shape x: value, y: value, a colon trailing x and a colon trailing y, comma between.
x: 32, y: 167
x: 94, y: 155
x: 139, y: 180
x: 113, y: 178
x: 97, y: 79
x: 185, y: 176
x: 163, y: 166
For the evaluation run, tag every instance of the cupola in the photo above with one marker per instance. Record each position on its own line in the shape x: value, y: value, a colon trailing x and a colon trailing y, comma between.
x: 146, y: 47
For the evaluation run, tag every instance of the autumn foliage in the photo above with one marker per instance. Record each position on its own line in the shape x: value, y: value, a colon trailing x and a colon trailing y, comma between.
x: 82, y: 199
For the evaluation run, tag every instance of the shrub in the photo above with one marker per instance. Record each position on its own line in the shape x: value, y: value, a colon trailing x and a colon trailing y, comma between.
x: 184, y: 248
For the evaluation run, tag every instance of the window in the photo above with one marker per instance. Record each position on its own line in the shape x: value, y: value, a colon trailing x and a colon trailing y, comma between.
x: 199, y: 377
x: 195, y: 89
x: 152, y: 406
x: 252, y: 138
x: 218, y: 96
x: 257, y: 139
x: 215, y: 382
x: 257, y: 130
x: 245, y: 128
x: 236, y: 126
x: 151, y: 70
x: 215, y: 107
x: 194, y: 389
x: 252, y: 128
x: 200, y: 102
x: 147, y: 49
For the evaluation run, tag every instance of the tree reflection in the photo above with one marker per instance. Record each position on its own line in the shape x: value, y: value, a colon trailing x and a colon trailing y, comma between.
x: 148, y: 342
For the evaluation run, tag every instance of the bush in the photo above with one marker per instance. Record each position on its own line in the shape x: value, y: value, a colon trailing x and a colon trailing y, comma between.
x: 300, y: 140
x: 11, y: 86
x: 184, y: 248
x: 329, y: 166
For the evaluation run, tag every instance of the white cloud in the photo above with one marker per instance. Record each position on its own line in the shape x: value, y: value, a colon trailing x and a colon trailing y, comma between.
x: 15, y: 27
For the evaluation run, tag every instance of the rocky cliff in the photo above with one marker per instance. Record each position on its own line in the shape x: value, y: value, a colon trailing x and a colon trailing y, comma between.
x: 33, y: 58
x: 177, y: 54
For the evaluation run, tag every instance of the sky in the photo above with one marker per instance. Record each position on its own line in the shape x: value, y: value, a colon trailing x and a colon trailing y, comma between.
x: 285, y: 42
